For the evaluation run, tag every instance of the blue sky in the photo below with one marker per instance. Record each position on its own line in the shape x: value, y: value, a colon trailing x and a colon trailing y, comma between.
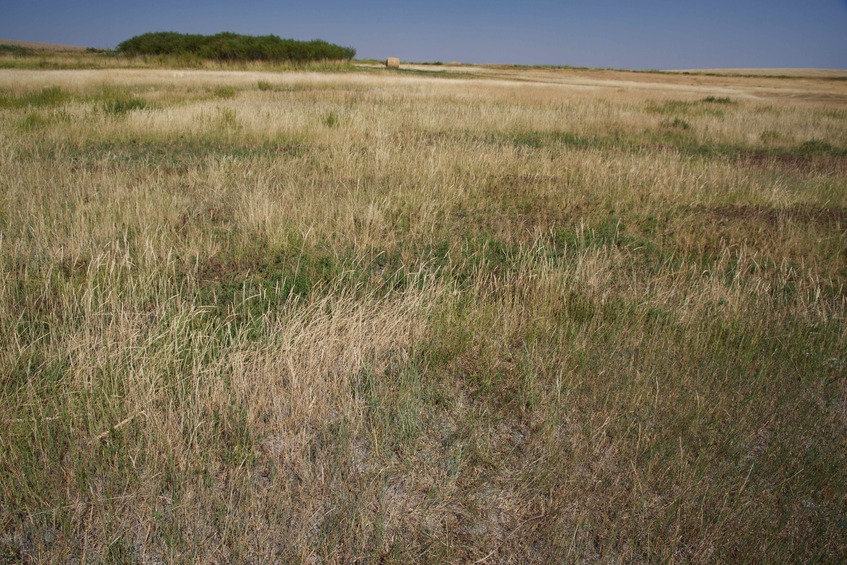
x: 651, y: 34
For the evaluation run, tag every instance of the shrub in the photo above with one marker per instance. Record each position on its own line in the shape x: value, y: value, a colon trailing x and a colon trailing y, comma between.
x: 676, y: 123
x: 234, y: 47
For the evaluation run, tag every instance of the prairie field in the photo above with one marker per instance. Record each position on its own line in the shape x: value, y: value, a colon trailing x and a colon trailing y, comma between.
x: 441, y: 314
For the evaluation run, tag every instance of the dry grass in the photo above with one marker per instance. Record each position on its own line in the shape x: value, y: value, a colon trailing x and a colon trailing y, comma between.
x: 494, y: 314
x: 40, y: 46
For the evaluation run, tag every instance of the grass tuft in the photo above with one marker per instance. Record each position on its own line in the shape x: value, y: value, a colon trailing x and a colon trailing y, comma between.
x: 122, y: 105
x: 224, y: 92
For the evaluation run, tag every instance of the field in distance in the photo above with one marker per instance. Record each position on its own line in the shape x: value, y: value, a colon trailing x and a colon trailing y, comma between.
x: 39, y: 46
x: 789, y: 72
x: 431, y: 314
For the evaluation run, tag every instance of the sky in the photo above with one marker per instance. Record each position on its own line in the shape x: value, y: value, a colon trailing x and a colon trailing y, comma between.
x: 646, y: 34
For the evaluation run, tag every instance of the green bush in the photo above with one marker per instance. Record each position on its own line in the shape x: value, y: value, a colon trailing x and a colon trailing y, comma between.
x: 234, y: 47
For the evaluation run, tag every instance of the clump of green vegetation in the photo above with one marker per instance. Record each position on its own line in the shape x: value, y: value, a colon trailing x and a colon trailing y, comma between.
x: 234, y: 47
x: 224, y: 92
x: 332, y: 119
x: 677, y: 124
x: 690, y: 107
x: 718, y: 100
x: 539, y: 139
x: 226, y: 119
x: 770, y: 136
x: 820, y: 147
x: 34, y: 121
x: 264, y: 85
x: 123, y: 104
x: 672, y: 107
x: 49, y: 96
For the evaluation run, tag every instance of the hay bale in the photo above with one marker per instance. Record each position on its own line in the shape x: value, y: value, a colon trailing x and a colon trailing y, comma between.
x: 392, y: 63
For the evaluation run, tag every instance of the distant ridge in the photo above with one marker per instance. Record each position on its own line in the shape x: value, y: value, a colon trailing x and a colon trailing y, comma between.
x: 41, y: 46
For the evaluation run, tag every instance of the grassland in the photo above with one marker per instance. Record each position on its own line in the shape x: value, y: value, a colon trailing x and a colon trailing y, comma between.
x: 478, y: 315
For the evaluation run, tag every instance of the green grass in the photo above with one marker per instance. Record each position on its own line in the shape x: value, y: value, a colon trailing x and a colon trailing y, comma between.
x: 120, y: 105
x: 225, y: 92
x: 718, y: 100
x: 50, y: 96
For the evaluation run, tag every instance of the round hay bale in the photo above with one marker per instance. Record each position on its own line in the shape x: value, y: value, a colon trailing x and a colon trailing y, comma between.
x: 392, y: 63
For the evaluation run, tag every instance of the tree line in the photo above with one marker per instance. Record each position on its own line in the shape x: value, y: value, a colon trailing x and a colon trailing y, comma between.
x: 234, y: 47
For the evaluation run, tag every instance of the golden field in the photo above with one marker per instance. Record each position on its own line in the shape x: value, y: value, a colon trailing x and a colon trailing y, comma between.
x: 441, y: 314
